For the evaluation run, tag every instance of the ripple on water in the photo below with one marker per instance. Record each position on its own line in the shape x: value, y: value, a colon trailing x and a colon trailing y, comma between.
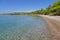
x: 24, y: 28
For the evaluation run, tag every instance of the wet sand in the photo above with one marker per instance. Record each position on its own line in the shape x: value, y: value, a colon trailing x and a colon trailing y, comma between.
x: 54, y: 26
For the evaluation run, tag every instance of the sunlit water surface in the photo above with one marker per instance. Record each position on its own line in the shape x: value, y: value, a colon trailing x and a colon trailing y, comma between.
x: 23, y: 27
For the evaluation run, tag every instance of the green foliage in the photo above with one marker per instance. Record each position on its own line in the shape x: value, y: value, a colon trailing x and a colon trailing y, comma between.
x: 56, y: 4
x: 55, y: 8
x: 51, y: 9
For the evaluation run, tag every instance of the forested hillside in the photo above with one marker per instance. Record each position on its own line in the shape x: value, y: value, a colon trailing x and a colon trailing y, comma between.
x: 53, y: 9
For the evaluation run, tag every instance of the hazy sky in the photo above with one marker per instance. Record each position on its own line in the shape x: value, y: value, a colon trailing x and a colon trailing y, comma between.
x: 23, y: 5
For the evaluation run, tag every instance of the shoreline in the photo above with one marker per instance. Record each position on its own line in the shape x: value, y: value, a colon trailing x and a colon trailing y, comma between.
x: 54, y: 26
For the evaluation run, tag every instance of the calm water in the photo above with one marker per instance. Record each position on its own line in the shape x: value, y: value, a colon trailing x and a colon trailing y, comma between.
x: 23, y: 27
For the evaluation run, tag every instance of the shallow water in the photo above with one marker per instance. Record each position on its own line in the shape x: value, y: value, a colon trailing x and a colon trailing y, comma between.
x: 23, y: 27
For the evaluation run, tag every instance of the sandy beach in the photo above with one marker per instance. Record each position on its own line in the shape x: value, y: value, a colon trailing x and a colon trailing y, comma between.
x: 54, y: 26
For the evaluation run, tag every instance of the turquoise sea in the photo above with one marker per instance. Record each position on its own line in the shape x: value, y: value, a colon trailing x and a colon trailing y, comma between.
x: 23, y: 27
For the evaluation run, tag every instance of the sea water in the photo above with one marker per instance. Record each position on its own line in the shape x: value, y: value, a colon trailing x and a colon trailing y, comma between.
x: 23, y: 27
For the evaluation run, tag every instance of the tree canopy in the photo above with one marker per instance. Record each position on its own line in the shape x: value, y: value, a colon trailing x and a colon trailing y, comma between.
x: 53, y: 9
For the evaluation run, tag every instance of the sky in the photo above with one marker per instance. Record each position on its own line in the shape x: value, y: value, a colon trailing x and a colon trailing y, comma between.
x: 7, y: 6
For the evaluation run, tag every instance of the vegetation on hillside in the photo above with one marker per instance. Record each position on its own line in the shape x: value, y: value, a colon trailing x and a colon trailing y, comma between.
x: 50, y: 10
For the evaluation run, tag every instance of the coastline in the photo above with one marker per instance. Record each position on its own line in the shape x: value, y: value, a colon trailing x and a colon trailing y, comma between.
x: 54, y: 26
